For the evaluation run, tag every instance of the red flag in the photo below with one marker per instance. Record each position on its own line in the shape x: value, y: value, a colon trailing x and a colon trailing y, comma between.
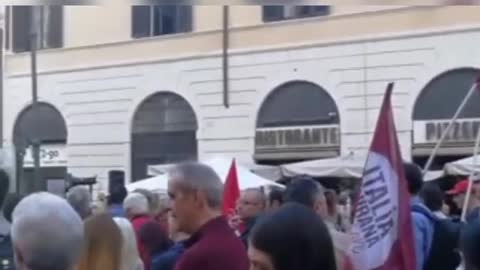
x: 231, y: 191
x: 382, y: 233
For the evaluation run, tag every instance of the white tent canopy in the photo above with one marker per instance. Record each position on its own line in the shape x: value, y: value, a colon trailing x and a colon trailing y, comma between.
x: 433, y: 175
x: 154, y: 184
x: 348, y: 166
x: 462, y: 166
x: 221, y: 165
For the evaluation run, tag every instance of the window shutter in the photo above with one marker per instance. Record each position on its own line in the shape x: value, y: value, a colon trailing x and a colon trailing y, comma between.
x: 141, y: 17
x: 54, y: 31
x: 273, y: 13
x: 184, y: 19
x: 21, y: 17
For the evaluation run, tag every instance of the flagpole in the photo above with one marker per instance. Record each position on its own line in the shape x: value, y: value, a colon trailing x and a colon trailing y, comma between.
x: 450, y: 124
x: 471, y: 176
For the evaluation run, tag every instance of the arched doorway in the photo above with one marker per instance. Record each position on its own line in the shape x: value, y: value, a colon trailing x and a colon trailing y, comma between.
x: 298, y: 120
x: 163, y: 131
x: 434, y: 108
x: 42, y: 124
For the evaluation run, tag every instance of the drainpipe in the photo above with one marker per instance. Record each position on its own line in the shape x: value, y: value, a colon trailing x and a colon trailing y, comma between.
x: 225, y: 45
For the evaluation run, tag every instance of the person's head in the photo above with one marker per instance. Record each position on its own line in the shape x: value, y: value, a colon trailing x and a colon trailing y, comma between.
x: 195, y: 191
x: 103, y: 246
x: 275, y: 199
x: 153, y: 236
x: 4, y: 186
x: 130, y: 257
x: 135, y: 205
x: 11, y: 201
x: 251, y: 203
x: 433, y: 197
x: 413, y: 175
x: 47, y: 234
x: 117, y: 195
x: 80, y: 199
x: 470, y: 245
x: 304, y: 190
x: 293, y: 237
x: 151, y: 198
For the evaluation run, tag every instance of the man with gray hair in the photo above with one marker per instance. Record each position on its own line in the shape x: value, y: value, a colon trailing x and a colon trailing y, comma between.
x: 47, y: 234
x: 137, y: 211
x: 80, y: 199
x: 196, y: 194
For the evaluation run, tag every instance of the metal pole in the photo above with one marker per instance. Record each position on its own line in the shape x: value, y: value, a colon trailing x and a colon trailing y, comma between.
x: 225, y: 45
x: 33, y: 55
x: 450, y: 124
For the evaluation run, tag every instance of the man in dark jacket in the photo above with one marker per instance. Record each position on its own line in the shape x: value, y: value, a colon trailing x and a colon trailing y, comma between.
x: 196, y: 194
x: 250, y: 206
x: 6, y: 250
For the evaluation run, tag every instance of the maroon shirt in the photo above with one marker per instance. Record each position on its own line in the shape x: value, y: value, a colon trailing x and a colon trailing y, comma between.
x: 214, y: 247
x: 137, y: 223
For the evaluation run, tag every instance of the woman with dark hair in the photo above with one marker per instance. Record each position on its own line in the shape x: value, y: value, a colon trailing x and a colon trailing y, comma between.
x: 155, y: 239
x: 293, y: 237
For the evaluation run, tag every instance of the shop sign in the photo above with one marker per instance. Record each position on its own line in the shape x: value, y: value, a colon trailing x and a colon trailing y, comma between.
x: 297, y: 137
x: 51, y: 155
x: 463, y: 130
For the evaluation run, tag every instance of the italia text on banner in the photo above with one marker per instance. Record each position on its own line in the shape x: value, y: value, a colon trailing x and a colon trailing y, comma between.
x: 231, y: 191
x: 382, y: 234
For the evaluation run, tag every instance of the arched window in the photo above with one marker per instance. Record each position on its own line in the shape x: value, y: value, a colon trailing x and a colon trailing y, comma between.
x: 436, y: 105
x: 163, y: 131
x: 298, y: 120
x: 42, y: 124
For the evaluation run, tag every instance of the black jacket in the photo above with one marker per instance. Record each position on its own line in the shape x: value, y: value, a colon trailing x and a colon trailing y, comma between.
x: 6, y: 253
x: 248, y: 228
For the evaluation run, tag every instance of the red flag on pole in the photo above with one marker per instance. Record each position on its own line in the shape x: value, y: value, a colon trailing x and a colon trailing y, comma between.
x: 382, y: 233
x: 231, y: 191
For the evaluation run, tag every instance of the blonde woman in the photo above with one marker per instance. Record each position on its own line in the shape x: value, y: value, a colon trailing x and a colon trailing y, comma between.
x: 130, y: 260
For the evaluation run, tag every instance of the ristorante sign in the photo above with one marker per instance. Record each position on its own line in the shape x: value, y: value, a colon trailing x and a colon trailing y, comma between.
x: 296, y: 142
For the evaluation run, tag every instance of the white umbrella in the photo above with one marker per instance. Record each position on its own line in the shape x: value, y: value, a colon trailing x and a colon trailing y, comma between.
x: 349, y: 166
x: 461, y: 167
x: 220, y: 165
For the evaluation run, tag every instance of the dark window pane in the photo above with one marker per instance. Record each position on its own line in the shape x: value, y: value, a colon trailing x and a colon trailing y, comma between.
x: 54, y: 24
x: 273, y: 13
x: 311, y: 11
x: 21, y: 21
x: 170, y: 19
x: 141, y: 21
x: 184, y: 19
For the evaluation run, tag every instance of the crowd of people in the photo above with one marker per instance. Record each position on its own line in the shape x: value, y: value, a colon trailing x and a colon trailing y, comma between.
x: 303, y: 227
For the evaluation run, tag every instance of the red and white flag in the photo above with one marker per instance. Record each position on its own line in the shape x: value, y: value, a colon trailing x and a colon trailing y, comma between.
x: 231, y: 191
x: 382, y: 233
